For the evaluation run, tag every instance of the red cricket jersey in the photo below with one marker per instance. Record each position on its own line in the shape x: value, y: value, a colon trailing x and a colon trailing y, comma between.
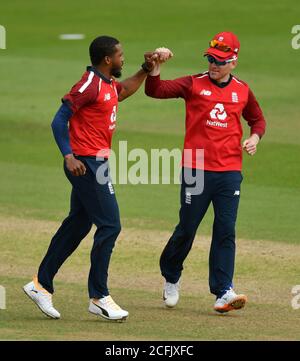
x: 212, y: 117
x: 94, y: 102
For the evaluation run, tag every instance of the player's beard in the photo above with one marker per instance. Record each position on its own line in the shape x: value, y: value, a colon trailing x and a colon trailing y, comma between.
x: 116, y: 72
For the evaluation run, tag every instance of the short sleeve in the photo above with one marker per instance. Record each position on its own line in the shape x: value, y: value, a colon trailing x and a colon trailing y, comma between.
x: 83, y: 92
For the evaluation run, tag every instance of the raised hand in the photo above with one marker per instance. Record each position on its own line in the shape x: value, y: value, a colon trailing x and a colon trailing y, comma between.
x: 162, y: 54
x: 150, y: 59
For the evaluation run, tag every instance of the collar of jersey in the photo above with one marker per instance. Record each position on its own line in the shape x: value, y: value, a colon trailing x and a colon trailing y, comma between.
x: 100, y: 75
x: 221, y: 85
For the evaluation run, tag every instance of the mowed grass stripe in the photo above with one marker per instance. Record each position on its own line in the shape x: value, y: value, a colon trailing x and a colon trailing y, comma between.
x: 265, y: 271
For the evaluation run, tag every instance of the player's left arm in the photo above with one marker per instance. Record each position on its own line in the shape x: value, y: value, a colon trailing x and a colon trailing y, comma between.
x: 255, y: 119
x: 130, y: 85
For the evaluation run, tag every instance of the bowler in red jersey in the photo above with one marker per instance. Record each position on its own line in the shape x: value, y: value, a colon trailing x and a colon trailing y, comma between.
x: 215, y: 102
x: 83, y: 129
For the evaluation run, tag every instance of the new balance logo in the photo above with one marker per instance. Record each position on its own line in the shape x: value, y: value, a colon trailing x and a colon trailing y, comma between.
x: 107, y: 97
x: 236, y: 193
x: 205, y: 92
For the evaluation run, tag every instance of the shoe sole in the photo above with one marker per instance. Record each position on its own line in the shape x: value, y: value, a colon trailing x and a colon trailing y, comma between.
x: 46, y: 314
x: 168, y: 306
x: 238, y: 303
x: 123, y: 319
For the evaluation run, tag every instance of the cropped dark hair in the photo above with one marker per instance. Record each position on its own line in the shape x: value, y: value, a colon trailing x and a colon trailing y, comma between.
x: 101, y: 47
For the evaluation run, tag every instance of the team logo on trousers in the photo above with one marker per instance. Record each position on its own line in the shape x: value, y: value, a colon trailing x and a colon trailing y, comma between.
x: 218, y: 112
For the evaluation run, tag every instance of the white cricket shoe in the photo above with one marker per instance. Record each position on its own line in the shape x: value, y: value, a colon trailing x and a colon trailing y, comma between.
x: 230, y: 301
x: 41, y: 297
x: 107, y: 308
x: 171, y: 294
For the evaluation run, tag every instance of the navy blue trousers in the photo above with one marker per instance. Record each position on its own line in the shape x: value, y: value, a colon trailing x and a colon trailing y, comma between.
x: 222, y: 189
x: 91, y: 203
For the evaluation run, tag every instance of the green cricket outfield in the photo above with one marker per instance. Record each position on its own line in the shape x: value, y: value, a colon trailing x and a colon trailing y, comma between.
x: 38, y: 68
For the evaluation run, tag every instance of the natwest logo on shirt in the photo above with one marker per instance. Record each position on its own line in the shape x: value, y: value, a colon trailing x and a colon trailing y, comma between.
x: 217, y: 116
x: 218, y: 112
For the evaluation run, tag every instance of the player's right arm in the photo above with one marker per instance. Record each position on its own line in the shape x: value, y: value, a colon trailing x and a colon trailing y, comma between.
x: 61, y: 134
x: 82, y: 93
x: 164, y: 89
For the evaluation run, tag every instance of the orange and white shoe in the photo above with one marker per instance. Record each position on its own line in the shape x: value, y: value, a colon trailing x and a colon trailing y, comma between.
x: 230, y: 301
x: 107, y: 308
x: 41, y: 297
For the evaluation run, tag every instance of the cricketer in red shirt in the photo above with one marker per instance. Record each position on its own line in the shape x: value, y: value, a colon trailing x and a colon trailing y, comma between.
x: 213, y: 114
x: 215, y: 101
x: 94, y: 102
x: 83, y: 128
